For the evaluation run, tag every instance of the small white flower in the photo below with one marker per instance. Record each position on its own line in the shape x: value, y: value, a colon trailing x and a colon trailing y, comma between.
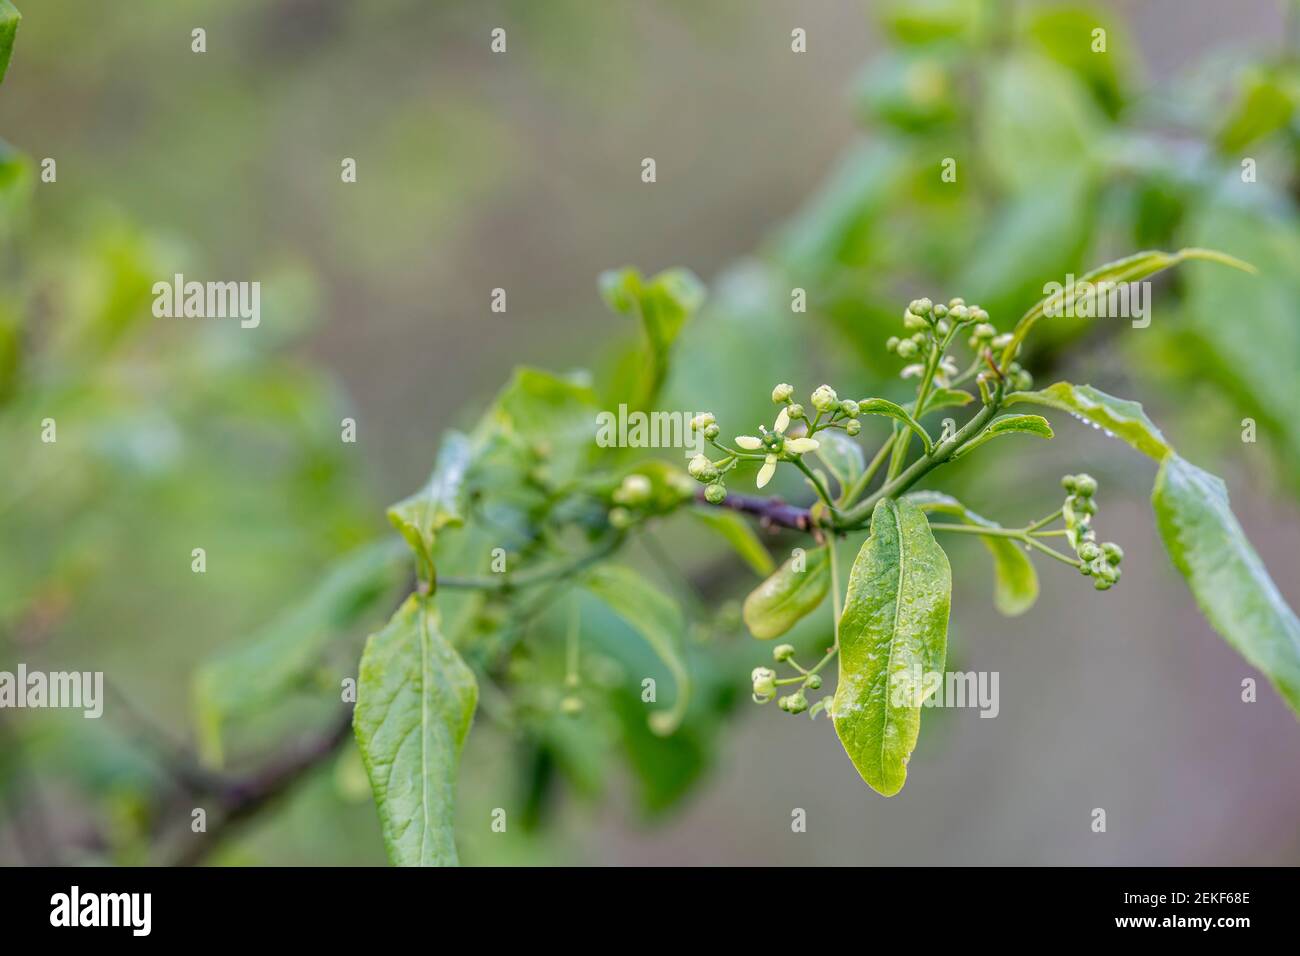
x: 795, y: 446
x: 765, y: 473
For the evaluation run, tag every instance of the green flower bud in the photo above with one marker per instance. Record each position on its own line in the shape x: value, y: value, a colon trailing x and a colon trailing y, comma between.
x: 984, y: 331
x: 953, y: 303
x: 782, y: 393
x: 1089, y: 552
x: 852, y: 427
x: 716, y: 493
x: 940, y: 311
x: 702, y: 421
x: 919, y: 338
x: 795, y: 411
x: 782, y: 652
x: 891, y: 343
x: 960, y: 313
x: 814, y: 681
x: 1085, y: 569
x: 571, y: 706
x: 921, y: 306
x: 783, y: 703
x: 914, y: 323
x: 634, y: 490
x: 1084, y: 506
x: 849, y: 407
x: 824, y: 398
x: 701, y: 469
x: 796, y: 703
x: 620, y: 517
x: 1101, y: 584
x: 1067, y: 482
x: 1085, y: 485
x: 711, y: 432
x: 978, y: 314
x: 1114, y: 553
x: 1002, y: 341
x: 764, y: 680
x: 942, y: 327
x: 906, y: 349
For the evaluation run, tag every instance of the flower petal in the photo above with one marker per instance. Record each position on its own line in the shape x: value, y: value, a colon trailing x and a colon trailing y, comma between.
x: 749, y: 442
x: 800, y: 445
x: 765, y: 473
x: 782, y: 421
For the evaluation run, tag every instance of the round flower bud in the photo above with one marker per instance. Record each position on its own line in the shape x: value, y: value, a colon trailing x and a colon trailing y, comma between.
x: 849, y: 407
x: 920, y: 306
x: 978, y: 314
x: 764, y: 679
x: 716, y: 493
x: 906, y: 348
x: 795, y: 411
x: 1089, y: 552
x: 1085, y: 569
x: 984, y: 331
x: 634, y: 490
x: 814, y: 681
x: 783, y: 703
x: 796, y: 703
x: 953, y: 303
x: 1067, y: 482
x: 940, y: 311
x: 891, y: 343
x: 620, y: 517
x: 1084, y: 506
x: 1003, y: 340
x: 701, y: 469
x: 824, y: 398
x: 1114, y: 553
x: 711, y: 432
x: 1085, y: 485
x: 1101, y: 584
x: 914, y: 323
x: 782, y: 393
x: 782, y: 652
x: 702, y: 420
x: 852, y: 427
x: 959, y: 314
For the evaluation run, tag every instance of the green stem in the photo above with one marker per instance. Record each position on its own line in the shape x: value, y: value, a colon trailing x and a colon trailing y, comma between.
x: 816, y: 483
x: 864, y: 479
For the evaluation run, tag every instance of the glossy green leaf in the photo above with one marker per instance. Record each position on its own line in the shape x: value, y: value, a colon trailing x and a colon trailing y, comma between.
x: 242, y: 682
x: 740, y: 534
x: 883, y: 406
x: 841, y: 455
x: 1230, y: 582
x: 1119, y: 417
x: 550, y: 420
x: 1132, y: 268
x: 415, y: 703
x: 658, y: 619
x: 1007, y: 425
x: 893, y: 634
x: 9, y: 20
x: 437, y: 505
x: 795, y: 590
x: 1015, y: 581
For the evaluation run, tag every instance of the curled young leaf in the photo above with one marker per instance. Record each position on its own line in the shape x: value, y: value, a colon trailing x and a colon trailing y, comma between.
x: 1119, y: 417
x: 1007, y: 425
x: 1231, y: 584
x: 435, y: 506
x: 1015, y: 581
x: 795, y: 590
x: 415, y: 703
x: 893, y: 637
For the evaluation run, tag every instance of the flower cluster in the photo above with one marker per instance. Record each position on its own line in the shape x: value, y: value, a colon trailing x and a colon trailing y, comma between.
x: 766, y: 683
x: 1101, y: 563
x: 931, y: 328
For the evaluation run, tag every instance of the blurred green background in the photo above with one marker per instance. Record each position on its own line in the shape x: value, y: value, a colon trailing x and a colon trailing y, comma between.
x: 521, y: 171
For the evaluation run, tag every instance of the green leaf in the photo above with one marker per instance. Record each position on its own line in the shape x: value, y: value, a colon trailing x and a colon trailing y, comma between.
x: 1015, y: 581
x: 841, y: 455
x: 659, y: 621
x: 9, y: 20
x: 883, y: 406
x: 663, y: 304
x: 242, y: 681
x: 1138, y: 266
x: 893, y: 635
x: 794, y: 591
x: 437, y: 505
x: 947, y: 398
x: 1230, y: 582
x: 550, y: 417
x: 415, y: 703
x: 1119, y: 417
x: 740, y: 535
x: 1007, y: 425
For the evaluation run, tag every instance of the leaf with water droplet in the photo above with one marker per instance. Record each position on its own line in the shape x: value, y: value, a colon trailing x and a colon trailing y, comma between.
x: 1119, y: 417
